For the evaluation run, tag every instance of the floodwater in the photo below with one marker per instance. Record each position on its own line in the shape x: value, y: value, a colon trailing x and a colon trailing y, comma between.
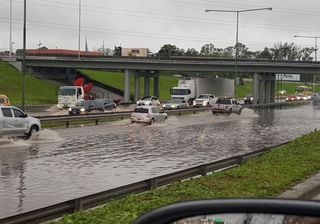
x: 60, y: 165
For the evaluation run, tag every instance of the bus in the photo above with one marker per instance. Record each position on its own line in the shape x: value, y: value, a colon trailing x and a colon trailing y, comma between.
x: 304, y: 90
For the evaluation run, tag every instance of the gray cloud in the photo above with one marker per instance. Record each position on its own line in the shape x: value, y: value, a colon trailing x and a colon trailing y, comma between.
x: 152, y: 23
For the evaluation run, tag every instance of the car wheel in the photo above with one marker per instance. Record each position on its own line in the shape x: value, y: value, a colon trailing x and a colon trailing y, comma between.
x: 34, y: 129
x: 229, y: 112
x: 132, y: 122
x: 151, y: 122
x: 213, y: 112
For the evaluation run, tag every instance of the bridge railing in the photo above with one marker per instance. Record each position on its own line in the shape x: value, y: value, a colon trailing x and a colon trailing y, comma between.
x: 93, y: 200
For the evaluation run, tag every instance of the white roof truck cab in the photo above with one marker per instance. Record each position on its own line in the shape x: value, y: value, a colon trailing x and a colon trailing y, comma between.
x: 68, y: 96
x: 186, y: 90
x: 15, y: 122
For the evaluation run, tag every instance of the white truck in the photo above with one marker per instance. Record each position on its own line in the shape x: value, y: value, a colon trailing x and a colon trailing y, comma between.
x: 69, y: 95
x: 189, y: 89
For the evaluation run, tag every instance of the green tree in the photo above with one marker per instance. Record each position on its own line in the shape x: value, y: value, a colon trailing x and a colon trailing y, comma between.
x: 168, y: 50
x: 191, y: 52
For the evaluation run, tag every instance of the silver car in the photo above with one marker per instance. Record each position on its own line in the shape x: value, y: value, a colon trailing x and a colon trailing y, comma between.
x: 148, y: 101
x: 148, y: 115
x: 15, y: 122
x: 175, y: 104
x: 204, y: 100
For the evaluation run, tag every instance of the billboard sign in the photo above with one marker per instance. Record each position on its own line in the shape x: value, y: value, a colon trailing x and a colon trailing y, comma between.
x: 288, y: 77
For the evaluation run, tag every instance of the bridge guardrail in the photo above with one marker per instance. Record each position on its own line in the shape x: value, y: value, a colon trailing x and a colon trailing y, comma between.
x: 90, y: 201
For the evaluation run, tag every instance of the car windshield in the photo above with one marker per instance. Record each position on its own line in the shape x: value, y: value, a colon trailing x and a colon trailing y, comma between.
x: 80, y: 103
x: 67, y: 91
x: 146, y: 98
x: 223, y: 101
x: 141, y: 110
x: 203, y: 97
x: 174, y: 101
x: 180, y: 91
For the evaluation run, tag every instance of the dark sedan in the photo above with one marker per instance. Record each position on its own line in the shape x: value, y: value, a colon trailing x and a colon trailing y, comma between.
x: 97, y: 105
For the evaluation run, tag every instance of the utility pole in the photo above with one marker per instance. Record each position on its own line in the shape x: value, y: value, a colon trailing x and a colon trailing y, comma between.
x: 10, y: 35
x: 24, y: 55
x: 315, y: 56
x: 79, y: 29
x: 237, y: 36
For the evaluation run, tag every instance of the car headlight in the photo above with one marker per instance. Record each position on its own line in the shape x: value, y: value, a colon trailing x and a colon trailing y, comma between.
x: 70, y: 109
x: 173, y: 106
x: 244, y: 98
x: 287, y: 98
x: 194, y: 102
x: 251, y: 98
x: 204, y: 103
x: 82, y: 110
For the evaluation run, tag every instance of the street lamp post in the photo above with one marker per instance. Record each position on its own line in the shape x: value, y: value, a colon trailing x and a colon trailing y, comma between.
x: 79, y: 29
x: 24, y: 54
x: 315, y: 55
x: 237, y: 36
x: 10, y: 35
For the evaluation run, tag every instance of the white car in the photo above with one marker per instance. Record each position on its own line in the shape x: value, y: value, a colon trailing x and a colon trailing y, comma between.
x: 147, y: 114
x: 204, y: 100
x: 15, y: 122
x: 148, y: 101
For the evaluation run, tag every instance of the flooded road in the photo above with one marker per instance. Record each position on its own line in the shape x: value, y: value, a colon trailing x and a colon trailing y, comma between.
x: 64, y: 164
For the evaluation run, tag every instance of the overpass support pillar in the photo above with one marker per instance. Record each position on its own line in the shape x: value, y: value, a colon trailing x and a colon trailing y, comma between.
x: 268, y: 91
x: 147, y: 85
x: 156, y: 91
x: 273, y: 84
x: 255, y: 89
x: 263, y: 88
x: 136, y: 87
x: 127, y: 75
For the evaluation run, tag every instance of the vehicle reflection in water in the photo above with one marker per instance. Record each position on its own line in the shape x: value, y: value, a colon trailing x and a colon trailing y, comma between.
x: 250, y: 218
x: 68, y: 163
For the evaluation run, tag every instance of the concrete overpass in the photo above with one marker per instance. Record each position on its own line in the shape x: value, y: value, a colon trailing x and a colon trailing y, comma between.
x: 264, y: 70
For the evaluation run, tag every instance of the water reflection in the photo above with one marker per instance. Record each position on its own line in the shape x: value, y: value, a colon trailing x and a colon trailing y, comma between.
x: 69, y: 163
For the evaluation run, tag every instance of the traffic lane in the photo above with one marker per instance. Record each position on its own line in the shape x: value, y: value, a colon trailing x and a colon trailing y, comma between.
x: 81, y: 161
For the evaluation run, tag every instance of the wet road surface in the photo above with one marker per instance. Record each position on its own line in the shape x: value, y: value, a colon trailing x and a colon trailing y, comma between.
x: 64, y: 164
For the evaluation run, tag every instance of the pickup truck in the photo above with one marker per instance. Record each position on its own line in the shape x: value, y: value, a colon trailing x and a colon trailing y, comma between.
x: 226, y: 105
x: 15, y: 122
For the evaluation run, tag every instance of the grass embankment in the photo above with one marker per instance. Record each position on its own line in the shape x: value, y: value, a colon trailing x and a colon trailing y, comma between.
x: 265, y: 176
x: 116, y: 80
x: 37, y: 91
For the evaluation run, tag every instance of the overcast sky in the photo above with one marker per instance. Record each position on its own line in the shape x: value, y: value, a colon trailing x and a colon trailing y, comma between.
x: 153, y: 23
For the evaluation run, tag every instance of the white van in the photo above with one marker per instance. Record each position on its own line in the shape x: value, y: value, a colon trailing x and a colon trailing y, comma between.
x: 15, y: 122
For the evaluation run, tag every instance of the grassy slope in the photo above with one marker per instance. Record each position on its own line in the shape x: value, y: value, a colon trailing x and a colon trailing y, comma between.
x: 242, y: 91
x: 115, y: 79
x: 37, y: 91
x: 265, y: 176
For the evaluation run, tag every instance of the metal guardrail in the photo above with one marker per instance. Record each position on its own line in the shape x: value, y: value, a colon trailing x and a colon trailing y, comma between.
x: 106, y: 116
x: 67, y: 119
x: 90, y: 201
